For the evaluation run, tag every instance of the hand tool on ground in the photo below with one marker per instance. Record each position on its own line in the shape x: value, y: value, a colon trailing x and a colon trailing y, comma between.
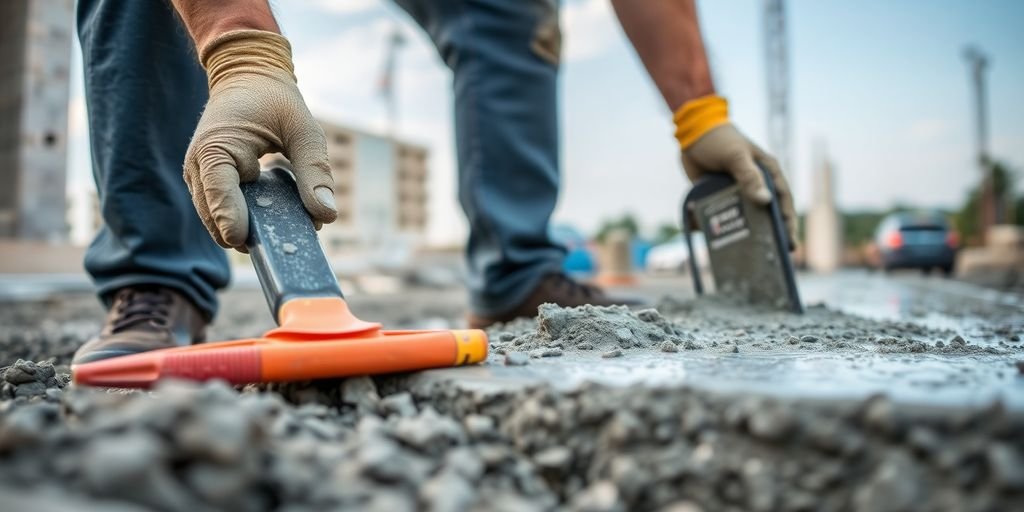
x: 748, y: 248
x: 317, y: 336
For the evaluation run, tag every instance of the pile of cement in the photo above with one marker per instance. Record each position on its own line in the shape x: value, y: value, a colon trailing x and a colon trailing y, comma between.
x: 587, y: 328
x: 711, y: 326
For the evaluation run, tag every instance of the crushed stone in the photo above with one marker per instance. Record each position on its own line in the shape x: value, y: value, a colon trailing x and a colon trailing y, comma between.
x: 397, y: 444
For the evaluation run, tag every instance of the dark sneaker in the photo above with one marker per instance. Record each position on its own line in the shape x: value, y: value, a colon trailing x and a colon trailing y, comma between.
x: 144, y: 318
x: 557, y: 289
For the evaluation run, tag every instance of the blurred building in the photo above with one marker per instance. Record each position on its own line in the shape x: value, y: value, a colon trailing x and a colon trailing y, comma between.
x: 824, y: 226
x: 35, y: 56
x: 380, y: 187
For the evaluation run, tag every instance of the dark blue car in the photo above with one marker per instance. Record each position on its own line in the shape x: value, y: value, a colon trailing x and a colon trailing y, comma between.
x: 917, y: 240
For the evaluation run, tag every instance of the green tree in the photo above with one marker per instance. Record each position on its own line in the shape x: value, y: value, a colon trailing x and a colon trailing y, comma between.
x: 859, y: 226
x: 1004, y: 179
x: 626, y: 222
x: 665, y: 233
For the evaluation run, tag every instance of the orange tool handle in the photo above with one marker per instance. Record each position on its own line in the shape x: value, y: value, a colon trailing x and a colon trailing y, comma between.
x: 262, y: 360
x: 391, y: 353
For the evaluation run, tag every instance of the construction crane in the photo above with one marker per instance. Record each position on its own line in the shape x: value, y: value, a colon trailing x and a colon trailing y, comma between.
x: 386, y: 83
x: 777, y: 82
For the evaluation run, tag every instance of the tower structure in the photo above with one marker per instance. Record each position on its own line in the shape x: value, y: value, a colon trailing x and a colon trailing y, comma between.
x: 777, y: 82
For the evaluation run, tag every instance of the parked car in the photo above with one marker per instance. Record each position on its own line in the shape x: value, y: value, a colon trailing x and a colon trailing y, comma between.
x: 917, y: 240
x: 674, y: 256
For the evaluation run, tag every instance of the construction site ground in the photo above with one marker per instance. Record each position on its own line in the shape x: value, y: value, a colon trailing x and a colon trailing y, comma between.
x: 899, y: 392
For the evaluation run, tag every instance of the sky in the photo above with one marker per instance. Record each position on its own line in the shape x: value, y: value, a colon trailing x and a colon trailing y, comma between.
x: 878, y: 86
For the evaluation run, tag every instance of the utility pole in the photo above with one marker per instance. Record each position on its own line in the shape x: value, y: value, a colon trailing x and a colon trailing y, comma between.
x: 386, y: 85
x: 977, y: 64
x: 777, y: 82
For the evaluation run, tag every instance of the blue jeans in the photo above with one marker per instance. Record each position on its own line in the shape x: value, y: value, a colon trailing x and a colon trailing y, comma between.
x: 145, y: 93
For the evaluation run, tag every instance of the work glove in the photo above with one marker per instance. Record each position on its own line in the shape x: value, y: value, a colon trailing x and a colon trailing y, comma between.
x: 711, y: 143
x: 254, y: 108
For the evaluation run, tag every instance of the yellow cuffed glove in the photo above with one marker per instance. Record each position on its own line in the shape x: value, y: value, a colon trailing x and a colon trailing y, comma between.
x: 254, y: 108
x: 710, y: 143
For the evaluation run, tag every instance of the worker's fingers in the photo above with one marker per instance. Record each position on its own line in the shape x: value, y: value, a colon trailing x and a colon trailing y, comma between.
x: 308, y: 156
x: 203, y: 210
x: 748, y: 177
x: 219, y: 176
x: 195, y: 187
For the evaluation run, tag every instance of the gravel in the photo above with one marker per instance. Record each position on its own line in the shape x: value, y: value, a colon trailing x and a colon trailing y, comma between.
x: 401, y: 443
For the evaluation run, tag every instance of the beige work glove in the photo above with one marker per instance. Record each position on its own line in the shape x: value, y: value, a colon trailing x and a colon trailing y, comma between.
x: 254, y: 108
x: 711, y: 143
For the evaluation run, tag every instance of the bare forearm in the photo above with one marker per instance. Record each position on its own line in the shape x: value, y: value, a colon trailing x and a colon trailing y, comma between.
x: 206, y: 19
x: 666, y: 35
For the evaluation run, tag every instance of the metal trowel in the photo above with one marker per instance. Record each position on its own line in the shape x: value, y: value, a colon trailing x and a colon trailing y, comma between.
x: 317, y: 336
x: 747, y: 244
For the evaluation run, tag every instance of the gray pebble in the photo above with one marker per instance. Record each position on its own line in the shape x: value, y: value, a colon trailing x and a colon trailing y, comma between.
x: 465, y: 462
x: 448, y: 492
x: 361, y: 392
x: 1007, y: 466
x: 479, y: 426
x: 381, y: 459
x: 556, y: 457
x: 400, y: 404
x: 30, y: 389
x: 625, y: 337
x: 546, y: 352
x: 517, y: 359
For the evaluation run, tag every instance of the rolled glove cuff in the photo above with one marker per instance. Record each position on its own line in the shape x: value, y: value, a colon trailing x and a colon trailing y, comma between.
x: 247, y: 51
x: 699, y: 116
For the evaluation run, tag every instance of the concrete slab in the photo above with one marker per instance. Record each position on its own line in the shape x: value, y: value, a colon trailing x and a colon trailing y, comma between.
x: 932, y: 311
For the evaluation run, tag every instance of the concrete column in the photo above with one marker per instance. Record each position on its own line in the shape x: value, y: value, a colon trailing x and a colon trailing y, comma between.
x: 824, y: 226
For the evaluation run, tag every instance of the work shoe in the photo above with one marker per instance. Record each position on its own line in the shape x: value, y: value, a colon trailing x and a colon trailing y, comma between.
x: 556, y: 289
x: 144, y: 318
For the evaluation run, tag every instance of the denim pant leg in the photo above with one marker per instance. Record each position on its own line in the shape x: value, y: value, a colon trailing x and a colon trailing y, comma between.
x: 506, y: 127
x: 145, y: 92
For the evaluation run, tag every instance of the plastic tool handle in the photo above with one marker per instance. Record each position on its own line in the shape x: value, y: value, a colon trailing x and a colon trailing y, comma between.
x: 283, y: 244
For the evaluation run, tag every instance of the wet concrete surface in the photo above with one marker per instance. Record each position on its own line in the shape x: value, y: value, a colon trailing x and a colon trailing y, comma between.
x: 892, y: 394
x: 874, y: 335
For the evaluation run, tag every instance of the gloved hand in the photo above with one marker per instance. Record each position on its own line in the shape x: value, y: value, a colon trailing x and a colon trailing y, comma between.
x: 712, y: 144
x: 254, y: 108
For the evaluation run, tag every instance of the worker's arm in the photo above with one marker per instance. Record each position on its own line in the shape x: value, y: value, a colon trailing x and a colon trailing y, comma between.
x: 254, y: 108
x: 666, y: 35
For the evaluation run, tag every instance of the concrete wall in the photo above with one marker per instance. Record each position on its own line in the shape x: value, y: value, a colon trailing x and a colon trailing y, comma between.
x: 35, y: 47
